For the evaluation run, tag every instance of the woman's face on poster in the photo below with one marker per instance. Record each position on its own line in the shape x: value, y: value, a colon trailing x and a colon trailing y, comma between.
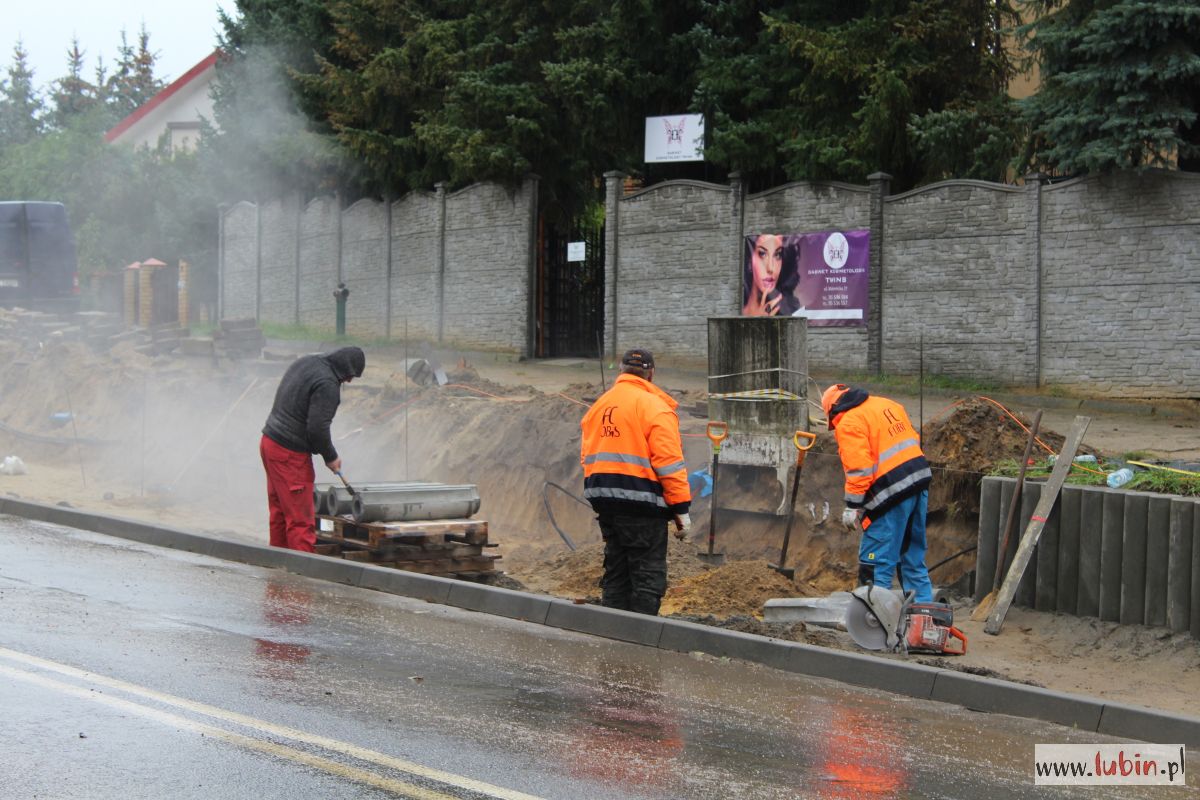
x: 766, y: 262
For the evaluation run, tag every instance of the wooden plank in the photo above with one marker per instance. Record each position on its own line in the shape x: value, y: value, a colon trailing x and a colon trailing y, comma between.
x: 1029, y: 540
x: 330, y: 549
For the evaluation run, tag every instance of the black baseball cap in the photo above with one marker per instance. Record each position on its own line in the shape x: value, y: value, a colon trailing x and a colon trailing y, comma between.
x: 638, y: 357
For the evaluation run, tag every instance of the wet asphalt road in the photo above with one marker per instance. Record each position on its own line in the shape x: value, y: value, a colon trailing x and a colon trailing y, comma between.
x: 129, y: 671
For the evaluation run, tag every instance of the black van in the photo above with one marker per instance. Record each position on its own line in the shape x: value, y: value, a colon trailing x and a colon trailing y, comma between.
x: 38, y: 267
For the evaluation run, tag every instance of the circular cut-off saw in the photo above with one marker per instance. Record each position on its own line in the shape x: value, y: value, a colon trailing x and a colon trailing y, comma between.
x: 884, y: 619
x: 875, y: 618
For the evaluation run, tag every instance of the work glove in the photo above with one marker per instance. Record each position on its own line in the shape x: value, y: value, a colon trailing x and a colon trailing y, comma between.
x: 683, y: 524
x: 852, y: 518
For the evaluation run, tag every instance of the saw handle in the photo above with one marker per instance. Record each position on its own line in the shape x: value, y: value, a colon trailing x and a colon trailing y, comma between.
x: 716, y: 432
x: 955, y: 633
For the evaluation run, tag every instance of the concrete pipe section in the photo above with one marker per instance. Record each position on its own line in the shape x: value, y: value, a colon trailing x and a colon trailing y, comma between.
x: 411, y: 503
x: 338, y: 502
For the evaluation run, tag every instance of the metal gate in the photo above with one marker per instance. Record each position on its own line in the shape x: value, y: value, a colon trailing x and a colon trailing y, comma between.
x: 570, y: 292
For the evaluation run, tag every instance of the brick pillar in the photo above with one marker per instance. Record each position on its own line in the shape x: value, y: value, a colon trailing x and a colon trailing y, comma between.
x: 130, y: 304
x: 146, y: 297
x: 184, y: 293
x: 614, y: 185
x: 880, y: 186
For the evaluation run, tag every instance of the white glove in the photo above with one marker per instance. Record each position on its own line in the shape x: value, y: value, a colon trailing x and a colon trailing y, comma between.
x: 683, y: 524
x: 852, y: 517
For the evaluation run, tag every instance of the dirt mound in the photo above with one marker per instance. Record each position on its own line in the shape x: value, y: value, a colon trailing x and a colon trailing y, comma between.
x: 967, y: 444
x: 576, y: 574
x: 739, y: 588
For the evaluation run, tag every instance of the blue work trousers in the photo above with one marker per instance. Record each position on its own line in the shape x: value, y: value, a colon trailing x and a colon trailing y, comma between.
x: 898, y: 537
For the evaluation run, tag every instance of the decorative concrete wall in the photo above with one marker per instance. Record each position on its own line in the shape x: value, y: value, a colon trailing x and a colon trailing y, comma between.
x: 1128, y: 557
x: 454, y: 268
x: 1087, y: 284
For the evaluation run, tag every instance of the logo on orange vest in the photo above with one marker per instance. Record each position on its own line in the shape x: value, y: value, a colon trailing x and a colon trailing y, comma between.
x: 897, y: 425
x: 607, y: 428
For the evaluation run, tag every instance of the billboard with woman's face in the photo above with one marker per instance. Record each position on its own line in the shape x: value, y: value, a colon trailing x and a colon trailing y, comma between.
x: 821, y: 276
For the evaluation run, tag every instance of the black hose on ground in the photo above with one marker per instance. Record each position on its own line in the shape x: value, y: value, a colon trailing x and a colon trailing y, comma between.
x: 947, y: 559
x: 550, y: 514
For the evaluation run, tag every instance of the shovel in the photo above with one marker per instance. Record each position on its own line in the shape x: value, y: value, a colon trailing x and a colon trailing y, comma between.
x: 984, y: 609
x: 716, y: 433
x: 801, y: 451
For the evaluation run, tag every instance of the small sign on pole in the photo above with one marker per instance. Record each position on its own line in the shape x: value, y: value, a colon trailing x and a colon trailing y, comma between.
x: 576, y: 251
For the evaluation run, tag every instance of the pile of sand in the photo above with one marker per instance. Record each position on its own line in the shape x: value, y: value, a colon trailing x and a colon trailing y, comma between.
x: 739, y: 588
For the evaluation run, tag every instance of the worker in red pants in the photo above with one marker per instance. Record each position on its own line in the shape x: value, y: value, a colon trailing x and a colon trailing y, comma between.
x: 296, y: 429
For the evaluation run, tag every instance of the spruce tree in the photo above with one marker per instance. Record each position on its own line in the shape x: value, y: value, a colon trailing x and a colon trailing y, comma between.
x: 21, y: 105
x: 1120, y: 85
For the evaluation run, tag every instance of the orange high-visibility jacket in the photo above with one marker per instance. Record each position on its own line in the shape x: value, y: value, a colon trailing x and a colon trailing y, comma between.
x: 881, y: 452
x: 632, y: 454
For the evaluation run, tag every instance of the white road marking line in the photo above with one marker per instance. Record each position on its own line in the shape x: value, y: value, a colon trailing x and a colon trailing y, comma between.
x: 271, y: 748
x: 335, y: 745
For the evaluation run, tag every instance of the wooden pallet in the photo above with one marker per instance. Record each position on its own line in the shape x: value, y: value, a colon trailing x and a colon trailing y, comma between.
x: 450, y: 548
x: 434, y: 531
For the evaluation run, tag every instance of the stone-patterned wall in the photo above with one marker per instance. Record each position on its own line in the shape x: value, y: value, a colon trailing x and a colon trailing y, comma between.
x: 959, y: 270
x: 674, y: 268
x: 487, y: 265
x: 239, y: 276
x: 364, y: 268
x: 278, y: 301
x: 481, y: 236
x: 415, y: 266
x: 319, y: 263
x: 1121, y: 280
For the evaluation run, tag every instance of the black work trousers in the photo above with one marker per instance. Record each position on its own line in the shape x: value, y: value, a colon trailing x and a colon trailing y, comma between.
x: 635, y: 562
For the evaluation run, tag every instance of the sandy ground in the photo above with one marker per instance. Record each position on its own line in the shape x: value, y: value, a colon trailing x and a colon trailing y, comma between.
x: 175, y: 441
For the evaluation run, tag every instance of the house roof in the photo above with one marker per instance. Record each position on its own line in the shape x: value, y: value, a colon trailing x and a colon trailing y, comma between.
x: 154, y: 102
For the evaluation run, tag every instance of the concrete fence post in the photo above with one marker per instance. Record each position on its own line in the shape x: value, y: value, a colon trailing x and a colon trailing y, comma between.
x: 530, y: 186
x: 1033, y: 234
x: 184, y: 293
x: 880, y: 188
x: 613, y: 185
x: 440, y: 189
x: 737, y: 230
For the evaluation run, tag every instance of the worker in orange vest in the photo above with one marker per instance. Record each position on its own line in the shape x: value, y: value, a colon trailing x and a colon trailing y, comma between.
x: 887, y: 486
x: 635, y: 478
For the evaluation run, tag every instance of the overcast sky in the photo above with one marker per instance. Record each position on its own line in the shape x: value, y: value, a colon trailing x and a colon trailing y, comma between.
x: 182, y: 32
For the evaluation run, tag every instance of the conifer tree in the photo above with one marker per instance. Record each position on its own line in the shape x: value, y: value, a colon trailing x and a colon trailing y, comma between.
x: 1120, y: 85
x: 21, y: 105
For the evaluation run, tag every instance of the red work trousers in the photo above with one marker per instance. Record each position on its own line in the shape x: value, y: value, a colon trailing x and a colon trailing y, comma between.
x: 290, y: 479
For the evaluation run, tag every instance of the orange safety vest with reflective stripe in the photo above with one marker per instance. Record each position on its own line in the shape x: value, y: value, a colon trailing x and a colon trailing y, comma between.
x: 632, y: 454
x: 881, y: 452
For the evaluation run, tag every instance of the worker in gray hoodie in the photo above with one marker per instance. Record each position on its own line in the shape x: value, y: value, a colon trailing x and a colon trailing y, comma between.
x: 296, y: 429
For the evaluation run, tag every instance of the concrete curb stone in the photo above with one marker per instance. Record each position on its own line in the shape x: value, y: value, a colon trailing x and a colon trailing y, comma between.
x: 913, y: 680
x: 688, y: 637
x: 610, y: 623
x: 498, y: 601
x: 429, y: 588
x: 1002, y: 697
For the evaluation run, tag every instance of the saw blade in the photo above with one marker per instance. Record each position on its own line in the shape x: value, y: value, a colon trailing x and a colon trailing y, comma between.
x: 864, y: 626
